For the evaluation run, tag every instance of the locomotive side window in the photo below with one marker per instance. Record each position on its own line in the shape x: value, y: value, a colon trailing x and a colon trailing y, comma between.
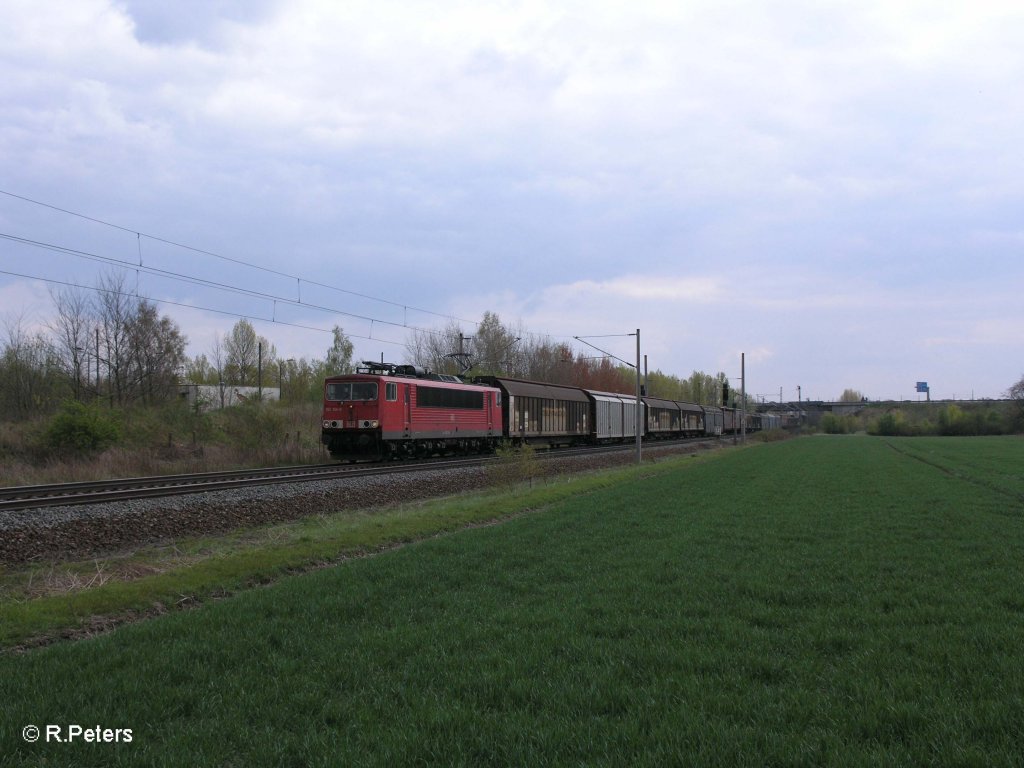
x: 391, y: 392
x: 351, y: 390
x: 435, y: 397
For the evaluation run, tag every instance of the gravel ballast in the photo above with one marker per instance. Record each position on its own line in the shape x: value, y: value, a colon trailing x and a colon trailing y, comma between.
x: 75, y: 532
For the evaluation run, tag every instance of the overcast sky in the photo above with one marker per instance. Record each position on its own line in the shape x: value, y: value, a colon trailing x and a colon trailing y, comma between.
x: 834, y: 188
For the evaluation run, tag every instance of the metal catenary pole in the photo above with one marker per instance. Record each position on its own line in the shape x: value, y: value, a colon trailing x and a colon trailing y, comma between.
x: 639, y: 405
x: 743, y: 397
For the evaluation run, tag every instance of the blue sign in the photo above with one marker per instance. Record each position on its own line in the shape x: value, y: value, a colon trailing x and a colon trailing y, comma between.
x: 922, y: 386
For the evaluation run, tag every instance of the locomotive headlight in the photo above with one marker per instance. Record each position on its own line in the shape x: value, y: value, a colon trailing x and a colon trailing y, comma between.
x: 368, y: 424
x: 327, y: 424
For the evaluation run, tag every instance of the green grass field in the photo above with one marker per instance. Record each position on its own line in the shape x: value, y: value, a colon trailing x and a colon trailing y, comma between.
x: 822, y: 601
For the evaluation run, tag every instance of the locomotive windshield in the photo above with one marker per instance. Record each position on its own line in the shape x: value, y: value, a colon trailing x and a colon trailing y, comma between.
x: 351, y: 390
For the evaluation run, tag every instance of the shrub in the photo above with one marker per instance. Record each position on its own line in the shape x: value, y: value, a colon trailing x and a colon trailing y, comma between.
x: 81, y: 428
x: 838, y: 425
x: 514, y: 464
x: 254, y: 426
x: 892, y: 424
x: 953, y: 420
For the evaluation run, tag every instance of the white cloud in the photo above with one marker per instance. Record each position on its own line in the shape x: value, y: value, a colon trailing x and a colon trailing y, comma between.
x: 788, y: 171
x: 640, y: 287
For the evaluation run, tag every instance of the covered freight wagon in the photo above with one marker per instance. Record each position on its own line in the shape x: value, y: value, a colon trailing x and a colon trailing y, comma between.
x: 714, y: 421
x: 538, y: 413
x: 614, y: 416
x: 671, y: 418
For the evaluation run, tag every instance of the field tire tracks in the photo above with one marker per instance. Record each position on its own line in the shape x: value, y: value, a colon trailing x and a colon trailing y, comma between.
x: 949, y: 472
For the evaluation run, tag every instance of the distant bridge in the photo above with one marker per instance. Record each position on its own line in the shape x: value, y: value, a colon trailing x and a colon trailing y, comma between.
x: 811, y: 411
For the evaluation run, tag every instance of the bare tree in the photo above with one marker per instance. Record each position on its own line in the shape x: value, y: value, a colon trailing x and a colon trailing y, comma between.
x: 435, y: 350
x: 115, y: 309
x: 544, y: 361
x: 244, y: 351
x: 74, y: 329
x: 31, y: 380
x: 156, y: 354
x: 218, y: 357
x: 141, y: 351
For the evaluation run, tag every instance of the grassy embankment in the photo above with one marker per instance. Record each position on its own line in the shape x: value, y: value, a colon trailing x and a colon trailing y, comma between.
x: 161, y: 440
x: 821, y: 601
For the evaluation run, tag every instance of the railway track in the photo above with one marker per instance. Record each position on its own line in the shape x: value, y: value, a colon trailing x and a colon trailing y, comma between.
x: 95, y: 492
x: 122, y: 489
x: 57, y: 522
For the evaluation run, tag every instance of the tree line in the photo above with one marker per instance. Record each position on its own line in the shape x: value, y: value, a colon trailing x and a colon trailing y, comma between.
x: 113, y: 347
x: 108, y: 345
x: 242, y: 358
x: 495, y: 348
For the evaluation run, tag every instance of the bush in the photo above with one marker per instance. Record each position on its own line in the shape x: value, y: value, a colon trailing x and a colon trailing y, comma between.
x: 146, y: 426
x: 839, y: 425
x: 950, y: 419
x: 514, y: 464
x: 81, y: 428
x: 953, y: 420
x: 254, y: 427
x: 892, y: 424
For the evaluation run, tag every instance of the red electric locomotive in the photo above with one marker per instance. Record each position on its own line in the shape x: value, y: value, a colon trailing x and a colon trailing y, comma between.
x: 390, y: 411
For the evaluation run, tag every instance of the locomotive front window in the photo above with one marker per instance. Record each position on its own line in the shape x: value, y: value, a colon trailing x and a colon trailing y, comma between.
x: 364, y: 390
x: 342, y: 391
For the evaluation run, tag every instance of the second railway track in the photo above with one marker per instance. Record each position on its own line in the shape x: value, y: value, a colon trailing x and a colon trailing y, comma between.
x: 121, y: 489
x: 100, y: 491
x: 57, y: 525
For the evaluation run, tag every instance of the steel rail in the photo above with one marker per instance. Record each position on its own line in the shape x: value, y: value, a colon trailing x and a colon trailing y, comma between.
x: 125, y: 489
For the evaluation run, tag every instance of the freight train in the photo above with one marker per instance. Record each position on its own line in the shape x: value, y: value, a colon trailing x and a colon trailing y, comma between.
x: 386, y: 411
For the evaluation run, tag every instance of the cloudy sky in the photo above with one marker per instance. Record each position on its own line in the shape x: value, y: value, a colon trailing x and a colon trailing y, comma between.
x: 834, y: 188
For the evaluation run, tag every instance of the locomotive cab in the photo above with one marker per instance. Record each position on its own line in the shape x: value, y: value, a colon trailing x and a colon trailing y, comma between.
x: 352, y: 418
x: 386, y: 411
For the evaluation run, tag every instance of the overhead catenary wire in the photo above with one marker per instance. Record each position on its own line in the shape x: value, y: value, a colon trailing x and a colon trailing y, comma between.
x: 171, y: 275
x: 191, y: 306
x: 582, y: 340
x: 299, y: 280
x: 241, y: 262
